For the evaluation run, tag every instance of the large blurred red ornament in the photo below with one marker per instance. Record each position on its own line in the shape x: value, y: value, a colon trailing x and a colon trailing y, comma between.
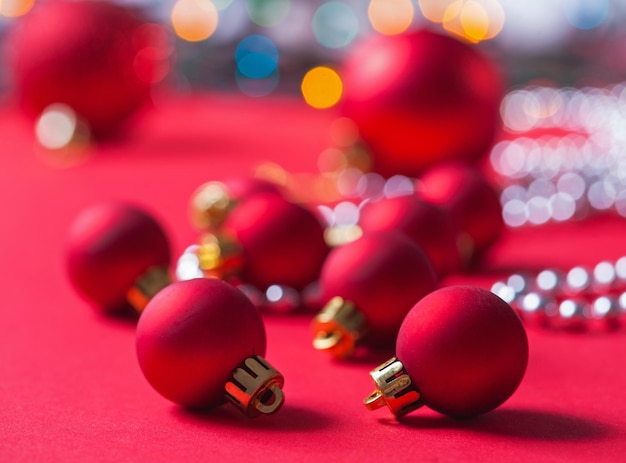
x: 461, y: 351
x: 272, y: 241
x: 369, y: 285
x: 200, y: 342
x: 117, y: 254
x: 98, y: 57
x: 473, y: 203
x: 430, y: 226
x: 421, y: 98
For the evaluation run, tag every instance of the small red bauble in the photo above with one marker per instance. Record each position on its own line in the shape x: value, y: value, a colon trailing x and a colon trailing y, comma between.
x: 94, y: 56
x: 214, y: 200
x: 200, y: 342
x: 117, y: 253
x: 280, y: 242
x: 369, y: 286
x: 421, y: 98
x: 461, y: 351
x: 472, y: 202
x: 430, y: 226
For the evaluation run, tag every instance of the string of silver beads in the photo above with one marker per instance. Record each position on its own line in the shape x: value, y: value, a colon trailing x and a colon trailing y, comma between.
x: 580, y: 299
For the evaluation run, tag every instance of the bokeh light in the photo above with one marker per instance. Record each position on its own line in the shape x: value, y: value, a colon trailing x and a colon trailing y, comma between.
x: 322, y: 87
x: 15, y: 8
x: 256, y: 56
x: 586, y: 14
x: 335, y: 25
x: 194, y: 20
x: 268, y: 13
x: 222, y: 4
x: 257, y: 65
x: 473, y: 20
x: 390, y: 16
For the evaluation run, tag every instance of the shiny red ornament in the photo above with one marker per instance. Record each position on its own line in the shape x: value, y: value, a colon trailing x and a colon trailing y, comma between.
x: 117, y: 254
x: 201, y: 342
x: 472, y: 202
x: 368, y: 286
x: 98, y: 57
x: 279, y: 242
x: 428, y: 225
x: 461, y: 351
x: 421, y: 98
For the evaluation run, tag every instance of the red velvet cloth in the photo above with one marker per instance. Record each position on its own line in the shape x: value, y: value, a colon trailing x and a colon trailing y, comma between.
x: 70, y: 386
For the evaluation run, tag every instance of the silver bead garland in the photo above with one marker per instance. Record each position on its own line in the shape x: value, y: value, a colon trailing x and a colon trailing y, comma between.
x: 579, y: 299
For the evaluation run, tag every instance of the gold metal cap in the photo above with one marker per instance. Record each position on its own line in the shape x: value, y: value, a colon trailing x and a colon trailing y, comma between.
x: 256, y: 388
x: 219, y: 257
x: 394, y: 388
x: 338, y: 327
x: 210, y: 205
x: 146, y: 286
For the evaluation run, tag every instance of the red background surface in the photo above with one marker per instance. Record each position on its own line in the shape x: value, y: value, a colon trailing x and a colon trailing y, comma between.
x: 70, y: 386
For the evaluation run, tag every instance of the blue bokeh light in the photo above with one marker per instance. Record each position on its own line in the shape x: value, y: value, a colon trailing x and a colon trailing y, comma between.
x: 256, y: 57
x: 586, y: 14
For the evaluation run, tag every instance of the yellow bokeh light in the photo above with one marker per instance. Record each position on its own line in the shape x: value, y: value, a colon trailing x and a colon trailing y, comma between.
x: 434, y: 10
x: 322, y: 87
x: 390, y: 16
x: 473, y: 20
x: 15, y: 8
x: 194, y: 20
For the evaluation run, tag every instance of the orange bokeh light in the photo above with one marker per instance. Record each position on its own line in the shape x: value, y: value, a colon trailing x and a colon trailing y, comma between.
x: 390, y: 16
x: 473, y: 20
x: 194, y: 20
x: 15, y: 8
x: 322, y: 87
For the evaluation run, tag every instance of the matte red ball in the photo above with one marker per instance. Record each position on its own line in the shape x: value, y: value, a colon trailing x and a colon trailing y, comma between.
x: 382, y: 274
x: 421, y: 98
x: 109, y: 246
x: 282, y: 242
x: 472, y: 202
x: 94, y: 56
x: 465, y: 350
x: 428, y: 225
x: 191, y: 337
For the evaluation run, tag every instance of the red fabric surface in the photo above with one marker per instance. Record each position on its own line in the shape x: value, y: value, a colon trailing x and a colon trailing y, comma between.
x: 70, y: 386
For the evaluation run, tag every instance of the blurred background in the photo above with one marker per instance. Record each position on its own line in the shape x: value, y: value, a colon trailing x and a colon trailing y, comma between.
x: 264, y: 47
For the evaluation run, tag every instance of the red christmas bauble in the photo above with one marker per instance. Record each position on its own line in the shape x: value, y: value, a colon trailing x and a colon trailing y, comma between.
x: 382, y: 274
x: 282, y: 242
x: 95, y: 56
x: 191, y: 337
x: 110, y: 246
x: 430, y: 226
x: 214, y: 200
x: 421, y: 98
x: 472, y: 202
x: 464, y: 348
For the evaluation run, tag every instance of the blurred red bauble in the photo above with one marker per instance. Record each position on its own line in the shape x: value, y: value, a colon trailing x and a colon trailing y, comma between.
x: 461, y: 351
x: 212, y: 201
x: 117, y: 254
x: 430, y: 226
x: 420, y: 98
x: 281, y: 242
x: 472, y: 202
x: 369, y: 285
x: 200, y: 342
x: 97, y: 57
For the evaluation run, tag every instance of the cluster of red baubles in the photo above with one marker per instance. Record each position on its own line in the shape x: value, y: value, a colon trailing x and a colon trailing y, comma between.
x: 376, y: 290
x: 419, y: 101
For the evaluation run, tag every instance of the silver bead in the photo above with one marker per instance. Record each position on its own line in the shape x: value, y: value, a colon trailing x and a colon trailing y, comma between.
x: 533, y: 307
x: 549, y: 281
x: 570, y: 315
x: 577, y: 281
x: 281, y: 299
